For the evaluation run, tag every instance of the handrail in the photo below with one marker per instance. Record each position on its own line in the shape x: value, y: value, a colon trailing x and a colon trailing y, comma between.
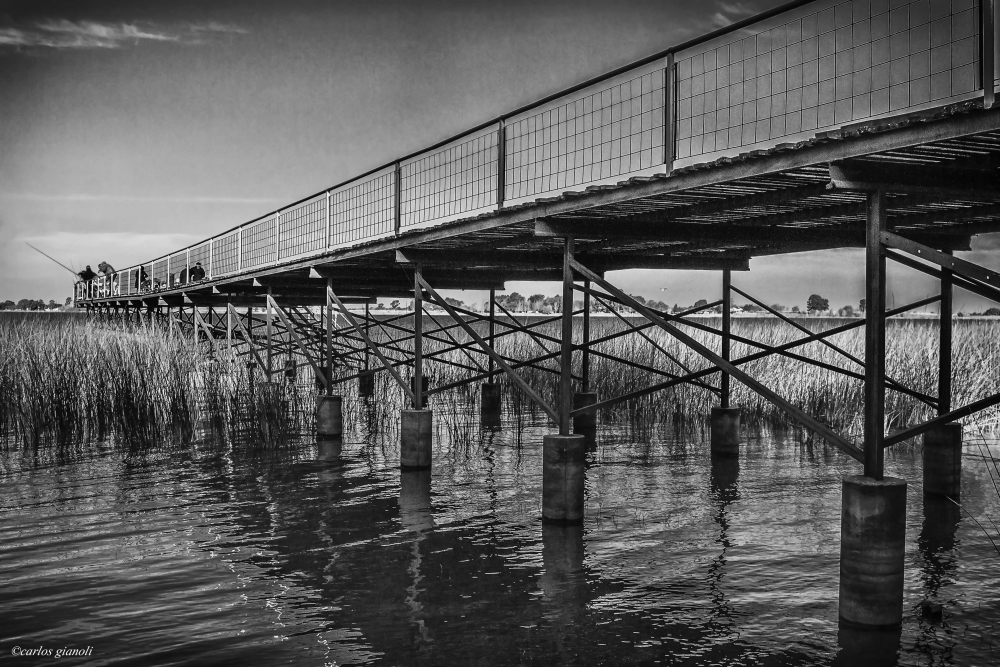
x: 659, y: 145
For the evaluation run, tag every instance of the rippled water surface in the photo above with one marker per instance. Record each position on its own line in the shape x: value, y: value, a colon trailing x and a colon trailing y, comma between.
x: 204, y: 556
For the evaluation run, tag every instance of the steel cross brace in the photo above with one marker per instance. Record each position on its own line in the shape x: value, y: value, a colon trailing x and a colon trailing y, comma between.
x: 517, y: 379
x: 727, y: 366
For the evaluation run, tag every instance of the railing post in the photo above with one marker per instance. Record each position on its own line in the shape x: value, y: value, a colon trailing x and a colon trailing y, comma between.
x: 669, y: 114
x: 398, y: 197
x: 875, y: 337
x: 566, y: 356
x: 986, y: 51
x: 329, y: 222
x: 501, y: 163
x: 239, y: 249
x: 277, y: 236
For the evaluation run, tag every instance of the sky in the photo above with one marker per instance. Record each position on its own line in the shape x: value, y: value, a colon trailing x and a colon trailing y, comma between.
x: 130, y: 129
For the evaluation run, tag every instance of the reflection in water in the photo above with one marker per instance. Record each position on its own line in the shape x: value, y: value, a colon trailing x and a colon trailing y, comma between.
x: 937, y: 543
x: 563, y: 582
x: 725, y: 491
x: 867, y: 648
x: 329, y: 449
x: 415, y: 515
x: 304, y: 555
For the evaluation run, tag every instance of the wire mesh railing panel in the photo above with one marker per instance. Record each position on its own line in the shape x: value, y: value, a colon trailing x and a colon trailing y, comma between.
x: 225, y: 254
x: 159, y: 274
x: 302, y: 229
x: 364, y: 210
x: 259, y: 245
x: 177, y: 268
x: 125, y: 286
x: 457, y: 179
x: 201, y: 254
x: 838, y: 63
x: 607, y: 133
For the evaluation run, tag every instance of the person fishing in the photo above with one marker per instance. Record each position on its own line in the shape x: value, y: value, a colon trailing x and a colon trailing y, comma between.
x: 87, y: 274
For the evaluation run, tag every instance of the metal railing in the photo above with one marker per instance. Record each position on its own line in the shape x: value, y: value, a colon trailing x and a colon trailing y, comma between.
x: 783, y: 76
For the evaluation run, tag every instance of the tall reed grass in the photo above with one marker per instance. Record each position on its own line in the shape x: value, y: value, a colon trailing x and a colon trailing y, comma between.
x: 69, y: 381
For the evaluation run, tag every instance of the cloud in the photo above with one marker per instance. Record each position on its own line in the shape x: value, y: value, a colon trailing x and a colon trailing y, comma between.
x: 76, y: 198
x: 65, y: 34
x: 730, y: 12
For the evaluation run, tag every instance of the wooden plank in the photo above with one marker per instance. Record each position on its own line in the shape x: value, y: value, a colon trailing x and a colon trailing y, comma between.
x: 960, y: 266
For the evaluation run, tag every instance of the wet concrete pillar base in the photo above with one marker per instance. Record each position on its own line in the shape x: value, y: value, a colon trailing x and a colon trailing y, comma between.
x: 415, y: 439
x: 366, y: 384
x: 329, y: 417
x: 329, y: 448
x: 489, y: 405
x: 585, y: 423
x: 943, y: 461
x: 562, y: 478
x: 725, y: 431
x: 872, y: 540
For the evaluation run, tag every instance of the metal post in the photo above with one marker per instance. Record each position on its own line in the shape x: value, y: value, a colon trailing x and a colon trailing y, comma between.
x: 418, y: 341
x: 586, y: 337
x: 566, y: 358
x: 329, y: 337
x: 270, y: 351
x: 669, y: 115
x: 986, y: 46
x: 501, y: 163
x: 368, y: 352
x: 229, y: 329
x: 493, y: 298
x: 727, y: 296
x: 944, y: 343
x: 875, y: 338
x: 397, y: 213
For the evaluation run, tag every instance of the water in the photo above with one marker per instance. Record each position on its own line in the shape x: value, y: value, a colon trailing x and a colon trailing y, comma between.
x: 203, y: 556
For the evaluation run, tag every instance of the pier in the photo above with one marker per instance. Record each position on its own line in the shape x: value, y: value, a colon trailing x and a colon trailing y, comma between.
x: 820, y: 125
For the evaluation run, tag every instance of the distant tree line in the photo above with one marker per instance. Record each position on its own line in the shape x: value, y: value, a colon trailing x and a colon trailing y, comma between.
x: 33, y: 304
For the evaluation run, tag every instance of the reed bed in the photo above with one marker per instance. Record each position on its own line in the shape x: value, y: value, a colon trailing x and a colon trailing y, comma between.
x: 67, y: 381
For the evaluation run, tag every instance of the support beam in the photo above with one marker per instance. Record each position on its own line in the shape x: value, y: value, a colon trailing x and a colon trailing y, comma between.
x: 944, y: 342
x: 874, y: 408
x: 566, y: 356
x: 418, y: 341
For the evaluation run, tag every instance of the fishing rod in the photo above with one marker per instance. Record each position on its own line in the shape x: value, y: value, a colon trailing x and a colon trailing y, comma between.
x: 54, y: 260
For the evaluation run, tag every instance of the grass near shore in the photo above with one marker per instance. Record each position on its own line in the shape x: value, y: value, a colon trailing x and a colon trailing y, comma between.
x: 66, y: 381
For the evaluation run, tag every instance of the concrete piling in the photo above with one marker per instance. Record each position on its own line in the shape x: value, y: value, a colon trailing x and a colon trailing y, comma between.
x: 415, y: 500
x: 415, y: 439
x: 562, y: 478
x: 366, y: 384
x: 490, y: 405
x: 587, y: 422
x: 943, y: 461
x: 329, y: 416
x: 329, y: 449
x: 872, y: 539
x: 725, y: 431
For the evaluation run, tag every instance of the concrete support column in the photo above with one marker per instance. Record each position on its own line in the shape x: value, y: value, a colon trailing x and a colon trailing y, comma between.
x: 872, y: 539
x: 490, y: 405
x: 366, y: 384
x: 415, y: 439
x: 330, y: 448
x: 943, y: 461
x: 329, y: 416
x: 725, y: 431
x: 562, y: 478
x: 585, y: 423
